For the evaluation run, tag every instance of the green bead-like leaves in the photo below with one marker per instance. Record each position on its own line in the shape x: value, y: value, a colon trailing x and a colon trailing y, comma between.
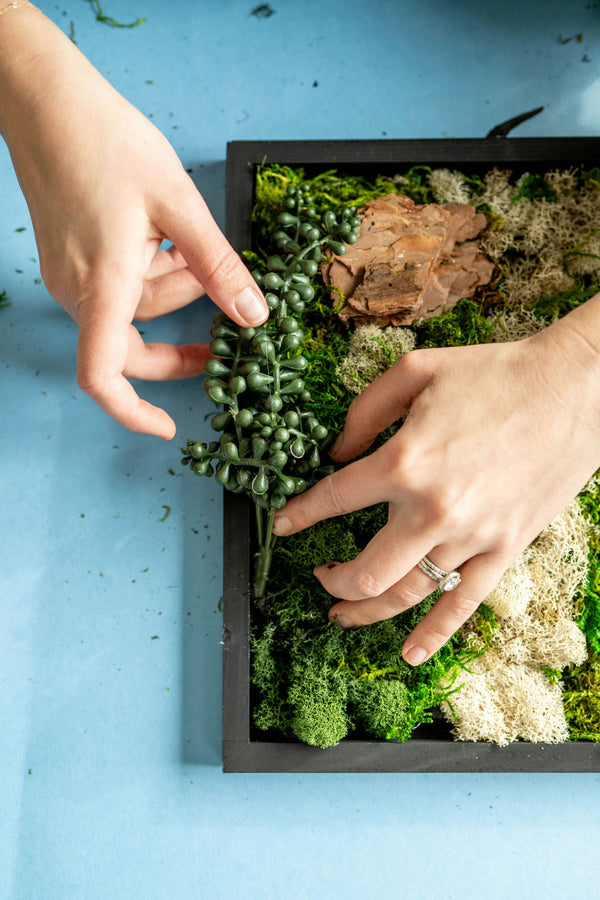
x: 272, y: 281
x: 338, y: 247
x: 278, y: 459
x: 244, y: 418
x: 329, y: 220
x: 260, y: 484
x: 220, y: 421
x: 258, y: 381
x: 222, y: 474
x: 201, y: 467
x: 196, y: 450
x: 271, y: 445
x: 216, y: 368
x: 219, y: 347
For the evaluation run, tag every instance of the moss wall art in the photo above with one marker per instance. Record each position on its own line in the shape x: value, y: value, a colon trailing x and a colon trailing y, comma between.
x: 526, y: 666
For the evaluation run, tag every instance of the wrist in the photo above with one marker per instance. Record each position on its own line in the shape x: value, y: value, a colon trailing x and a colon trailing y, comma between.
x: 33, y: 51
x: 580, y: 329
x: 572, y: 357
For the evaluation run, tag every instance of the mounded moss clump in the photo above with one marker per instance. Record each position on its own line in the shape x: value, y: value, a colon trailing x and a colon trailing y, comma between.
x: 309, y: 671
x: 320, y: 683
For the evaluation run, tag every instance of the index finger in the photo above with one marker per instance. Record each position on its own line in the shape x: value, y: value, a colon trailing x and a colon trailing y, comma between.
x: 187, y: 221
x: 360, y: 484
x: 382, y: 403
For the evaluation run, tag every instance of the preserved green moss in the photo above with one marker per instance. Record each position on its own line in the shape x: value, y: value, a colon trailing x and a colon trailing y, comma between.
x: 581, y: 700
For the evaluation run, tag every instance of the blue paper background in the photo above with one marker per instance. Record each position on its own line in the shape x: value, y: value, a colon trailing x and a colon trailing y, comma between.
x: 110, y: 781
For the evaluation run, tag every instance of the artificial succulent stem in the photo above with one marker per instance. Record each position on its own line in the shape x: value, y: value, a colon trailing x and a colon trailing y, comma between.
x: 264, y: 556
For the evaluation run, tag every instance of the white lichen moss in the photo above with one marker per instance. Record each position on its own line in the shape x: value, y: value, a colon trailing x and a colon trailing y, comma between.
x: 449, y: 187
x: 506, y: 695
x: 555, y: 239
x: 371, y: 351
x: 504, y: 703
x: 515, y: 325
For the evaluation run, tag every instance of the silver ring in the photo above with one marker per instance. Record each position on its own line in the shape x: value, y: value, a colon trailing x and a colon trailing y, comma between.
x: 446, y: 581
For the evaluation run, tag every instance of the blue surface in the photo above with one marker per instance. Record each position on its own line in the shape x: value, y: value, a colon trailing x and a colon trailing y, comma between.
x: 110, y: 781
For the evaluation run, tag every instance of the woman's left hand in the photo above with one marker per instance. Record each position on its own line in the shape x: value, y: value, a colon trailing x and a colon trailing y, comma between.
x: 497, y: 440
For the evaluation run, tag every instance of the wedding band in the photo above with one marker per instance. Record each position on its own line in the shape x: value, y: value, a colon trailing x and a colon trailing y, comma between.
x: 446, y: 581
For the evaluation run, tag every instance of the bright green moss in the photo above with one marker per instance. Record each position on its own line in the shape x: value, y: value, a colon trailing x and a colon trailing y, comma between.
x: 381, y: 707
x: 318, y: 697
x: 556, y: 307
x: 300, y: 654
x: 535, y: 187
x: 466, y: 323
x: 589, y: 601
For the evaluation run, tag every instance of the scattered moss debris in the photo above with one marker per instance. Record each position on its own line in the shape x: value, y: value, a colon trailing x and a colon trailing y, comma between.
x: 4, y: 301
x: 263, y: 11
x: 313, y: 679
x: 108, y: 20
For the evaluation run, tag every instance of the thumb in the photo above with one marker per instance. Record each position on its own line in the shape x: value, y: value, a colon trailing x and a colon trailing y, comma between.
x: 382, y: 403
x: 211, y: 258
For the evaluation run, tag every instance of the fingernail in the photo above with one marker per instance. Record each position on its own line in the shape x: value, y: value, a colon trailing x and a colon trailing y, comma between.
x: 415, y: 655
x: 344, y: 621
x: 282, y: 525
x: 251, y: 307
x: 337, y: 445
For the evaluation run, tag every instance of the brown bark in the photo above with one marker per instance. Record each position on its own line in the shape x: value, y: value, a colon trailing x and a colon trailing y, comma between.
x: 410, y: 261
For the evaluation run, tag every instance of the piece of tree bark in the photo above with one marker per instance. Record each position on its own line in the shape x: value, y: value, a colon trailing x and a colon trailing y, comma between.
x: 410, y: 261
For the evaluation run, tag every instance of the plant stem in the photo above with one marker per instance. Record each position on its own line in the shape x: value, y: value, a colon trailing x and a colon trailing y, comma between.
x: 266, y: 540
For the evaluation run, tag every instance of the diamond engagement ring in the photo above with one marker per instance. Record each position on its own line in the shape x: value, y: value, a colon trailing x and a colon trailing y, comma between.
x: 447, y: 581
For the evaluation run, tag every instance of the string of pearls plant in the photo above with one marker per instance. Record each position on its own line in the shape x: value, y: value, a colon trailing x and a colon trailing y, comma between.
x: 271, y: 443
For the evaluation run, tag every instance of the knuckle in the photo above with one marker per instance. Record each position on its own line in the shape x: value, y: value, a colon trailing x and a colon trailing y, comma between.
x: 224, y: 271
x: 444, y: 506
x: 353, y: 416
x: 464, y: 607
x: 144, y: 311
x: 332, y: 496
x: 401, y: 465
x: 413, y: 362
x: 90, y: 380
x: 371, y: 615
x: 405, y: 596
x: 433, y: 637
x: 89, y: 384
x: 367, y: 584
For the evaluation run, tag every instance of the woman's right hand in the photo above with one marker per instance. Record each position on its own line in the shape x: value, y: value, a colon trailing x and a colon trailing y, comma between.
x: 104, y: 187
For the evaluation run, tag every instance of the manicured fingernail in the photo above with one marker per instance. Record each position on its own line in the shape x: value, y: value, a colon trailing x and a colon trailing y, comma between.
x: 251, y: 307
x: 282, y: 525
x: 344, y: 621
x: 415, y: 655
